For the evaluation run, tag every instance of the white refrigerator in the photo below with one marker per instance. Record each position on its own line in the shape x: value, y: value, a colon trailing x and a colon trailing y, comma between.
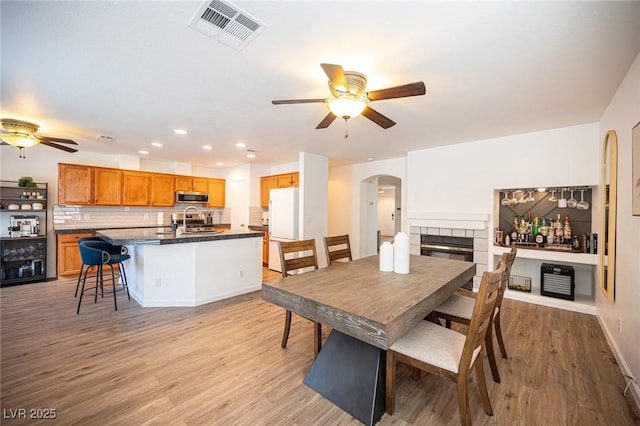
x: 283, y: 221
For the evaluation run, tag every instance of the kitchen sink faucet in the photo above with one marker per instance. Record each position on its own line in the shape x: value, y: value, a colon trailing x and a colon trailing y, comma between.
x: 184, y: 217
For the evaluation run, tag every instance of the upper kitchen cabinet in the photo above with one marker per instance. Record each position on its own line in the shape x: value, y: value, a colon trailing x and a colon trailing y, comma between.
x: 187, y: 183
x: 288, y: 179
x: 74, y: 184
x: 284, y: 180
x: 216, y: 189
x: 162, y: 190
x: 135, y: 188
x: 267, y: 183
x: 107, y: 187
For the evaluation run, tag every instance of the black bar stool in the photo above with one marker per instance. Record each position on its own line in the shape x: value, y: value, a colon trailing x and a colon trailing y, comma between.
x: 97, y: 254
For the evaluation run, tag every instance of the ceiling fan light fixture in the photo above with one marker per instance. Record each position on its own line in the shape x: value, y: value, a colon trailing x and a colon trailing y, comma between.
x: 20, y: 140
x: 347, y: 107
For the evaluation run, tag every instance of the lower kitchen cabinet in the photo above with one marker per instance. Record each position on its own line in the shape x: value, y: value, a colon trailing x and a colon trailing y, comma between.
x: 69, y: 260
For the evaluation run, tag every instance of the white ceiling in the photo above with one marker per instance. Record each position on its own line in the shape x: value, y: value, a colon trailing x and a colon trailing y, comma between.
x: 136, y: 70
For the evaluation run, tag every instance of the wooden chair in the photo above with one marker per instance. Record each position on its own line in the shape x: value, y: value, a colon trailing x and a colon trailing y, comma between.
x: 459, y: 308
x: 294, y: 255
x: 337, y: 247
x: 447, y: 353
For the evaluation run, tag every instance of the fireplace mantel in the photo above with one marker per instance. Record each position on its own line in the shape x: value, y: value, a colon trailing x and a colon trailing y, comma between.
x: 451, y: 220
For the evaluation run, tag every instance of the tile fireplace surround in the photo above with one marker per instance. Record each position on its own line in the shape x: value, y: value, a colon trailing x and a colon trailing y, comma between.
x: 470, y: 225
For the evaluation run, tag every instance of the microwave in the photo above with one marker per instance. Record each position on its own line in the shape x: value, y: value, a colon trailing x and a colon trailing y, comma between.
x: 191, y: 197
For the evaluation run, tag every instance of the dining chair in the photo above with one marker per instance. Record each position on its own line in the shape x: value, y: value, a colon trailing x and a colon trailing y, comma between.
x: 447, y: 353
x: 96, y: 254
x: 459, y: 308
x: 294, y: 257
x: 337, y: 247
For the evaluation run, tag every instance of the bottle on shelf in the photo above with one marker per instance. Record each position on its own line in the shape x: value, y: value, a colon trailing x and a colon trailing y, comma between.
x: 566, y: 229
x: 514, y: 230
x: 558, y: 230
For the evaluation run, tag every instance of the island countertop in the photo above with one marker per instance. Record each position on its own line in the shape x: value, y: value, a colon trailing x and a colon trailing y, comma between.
x: 162, y: 236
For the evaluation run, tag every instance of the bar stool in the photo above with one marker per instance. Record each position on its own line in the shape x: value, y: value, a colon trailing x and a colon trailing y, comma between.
x: 96, y: 253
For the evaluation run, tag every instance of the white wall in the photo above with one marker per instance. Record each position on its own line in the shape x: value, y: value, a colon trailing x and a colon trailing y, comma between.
x: 622, y: 114
x: 313, y: 201
x: 345, y: 196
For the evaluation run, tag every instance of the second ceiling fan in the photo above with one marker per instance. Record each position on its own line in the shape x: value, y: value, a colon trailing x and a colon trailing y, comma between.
x: 350, y: 98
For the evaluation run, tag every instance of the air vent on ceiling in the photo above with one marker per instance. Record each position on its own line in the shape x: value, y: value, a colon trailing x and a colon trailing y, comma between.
x: 226, y: 23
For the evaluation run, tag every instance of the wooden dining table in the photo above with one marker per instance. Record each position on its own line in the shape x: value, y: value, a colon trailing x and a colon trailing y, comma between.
x: 368, y: 310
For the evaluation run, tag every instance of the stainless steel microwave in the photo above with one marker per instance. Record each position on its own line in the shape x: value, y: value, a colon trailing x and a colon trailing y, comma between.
x: 191, y: 197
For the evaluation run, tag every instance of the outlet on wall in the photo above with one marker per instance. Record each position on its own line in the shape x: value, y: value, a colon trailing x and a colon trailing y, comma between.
x: 619, y: 325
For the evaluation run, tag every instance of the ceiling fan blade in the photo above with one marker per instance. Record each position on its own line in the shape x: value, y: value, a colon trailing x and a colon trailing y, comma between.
x: 378, y: 118
x: 57, y: 140
x: 336, y: 76
x: 327, y: 121
x: 297, y: 101
x: 55, y: 145
x: 411, y: 89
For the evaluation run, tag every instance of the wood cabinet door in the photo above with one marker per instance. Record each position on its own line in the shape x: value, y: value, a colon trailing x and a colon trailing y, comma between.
x: 107, y: 187
x: 200, y: 185
x: 182, y: 183
x: 135, y: 188
x: 216, y: 193
x: 266, y: 184
x: 162, y: 190
x: 287, y: 180
x: 265, y: 249
x: 69, y: 260
x: 74, y: 184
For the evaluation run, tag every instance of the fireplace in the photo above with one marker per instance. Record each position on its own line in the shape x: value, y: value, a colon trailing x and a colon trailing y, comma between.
x: 457, y: 248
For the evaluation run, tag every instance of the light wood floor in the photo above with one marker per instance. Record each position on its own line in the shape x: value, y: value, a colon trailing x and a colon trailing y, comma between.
x: 222, y: 364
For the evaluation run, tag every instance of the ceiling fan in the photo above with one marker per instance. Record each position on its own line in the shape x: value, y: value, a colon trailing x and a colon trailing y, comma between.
x: 350, y: 98
x: 22, y: 134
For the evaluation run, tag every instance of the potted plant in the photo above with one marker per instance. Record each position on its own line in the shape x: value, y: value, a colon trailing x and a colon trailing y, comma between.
x: 27, y: 182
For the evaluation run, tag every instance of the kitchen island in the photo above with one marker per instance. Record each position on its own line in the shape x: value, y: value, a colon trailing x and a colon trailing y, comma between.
x: 169, y: 269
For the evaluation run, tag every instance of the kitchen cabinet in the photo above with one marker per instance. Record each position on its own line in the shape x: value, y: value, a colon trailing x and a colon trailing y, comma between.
x: 23, y: 248
x: 69, y: 260
x: 216, y: 189
x: 74, y: 184
x: 135, y: 188
x: 288, y: 179
x: 284, y: 180
x: 162, y: 192
x: 107, y: 187
x: 187, y: 183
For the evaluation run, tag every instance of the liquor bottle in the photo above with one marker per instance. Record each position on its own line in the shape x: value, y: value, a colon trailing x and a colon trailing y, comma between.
x: 557, y: 230
x: 514, y: 230
x: 566, y: 229
x: 544, y: 229
x: 535, y: 229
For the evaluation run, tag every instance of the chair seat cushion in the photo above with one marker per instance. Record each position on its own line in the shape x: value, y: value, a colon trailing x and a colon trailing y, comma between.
x: 433, y: 344
x: 459, y: 306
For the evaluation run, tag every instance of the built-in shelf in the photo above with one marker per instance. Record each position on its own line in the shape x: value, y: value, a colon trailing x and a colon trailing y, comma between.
x: 550, y: 255
x: 582, y: 303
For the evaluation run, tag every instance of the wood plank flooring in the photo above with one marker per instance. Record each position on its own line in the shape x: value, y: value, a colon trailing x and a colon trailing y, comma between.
x: 222, y: 364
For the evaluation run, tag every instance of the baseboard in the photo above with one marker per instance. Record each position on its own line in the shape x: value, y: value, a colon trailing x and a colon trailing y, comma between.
x: 633, y: 392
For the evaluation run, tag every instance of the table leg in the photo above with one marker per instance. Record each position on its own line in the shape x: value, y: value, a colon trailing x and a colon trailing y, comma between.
x: 351, y: 374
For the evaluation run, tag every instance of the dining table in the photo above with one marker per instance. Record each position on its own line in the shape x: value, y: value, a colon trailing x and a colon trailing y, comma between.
x: 368, y: 310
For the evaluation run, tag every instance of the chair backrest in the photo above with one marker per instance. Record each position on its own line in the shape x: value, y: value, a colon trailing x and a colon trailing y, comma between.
x: 295, y: 255
x: 90, y: 254
x: 506, y: 260
x: 482, y: 316
x: 337, y: 247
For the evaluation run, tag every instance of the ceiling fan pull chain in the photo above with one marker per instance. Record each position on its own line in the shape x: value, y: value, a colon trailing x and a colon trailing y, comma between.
x: 22, y: 153
x: 346, y: 128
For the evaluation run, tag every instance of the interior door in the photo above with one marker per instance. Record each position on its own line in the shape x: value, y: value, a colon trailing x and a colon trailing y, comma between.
x: 239, y: 205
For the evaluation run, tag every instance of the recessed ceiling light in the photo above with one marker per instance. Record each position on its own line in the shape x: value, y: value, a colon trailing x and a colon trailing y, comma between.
x: 180, y: 131
x: 251, y: 155
x: 240, y: 145
x: 157, y: 144
x: 207, y: 147
x: 371, y: 158
x: 142, y: 151
x: 219, y: 163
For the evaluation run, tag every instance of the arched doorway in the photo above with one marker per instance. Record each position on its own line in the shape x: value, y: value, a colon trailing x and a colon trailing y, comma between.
x: 380, y: 211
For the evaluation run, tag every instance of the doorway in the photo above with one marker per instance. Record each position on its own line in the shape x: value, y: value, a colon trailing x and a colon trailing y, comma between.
x: 380, y: 212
